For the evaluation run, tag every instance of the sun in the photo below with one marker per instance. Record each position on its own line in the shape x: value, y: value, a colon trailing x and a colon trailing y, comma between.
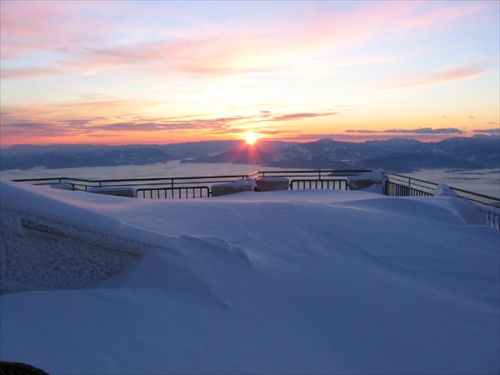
x: 251, y: 138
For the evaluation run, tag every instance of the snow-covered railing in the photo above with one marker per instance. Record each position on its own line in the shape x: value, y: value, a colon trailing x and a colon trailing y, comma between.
x: 149, y: 188
x: 400, y: 185
x: 492, y: 215
x: 394, y: 189
x: 403, y: 186
x: 197, y: 186
x: 324, y: 179
x: 202, y: 186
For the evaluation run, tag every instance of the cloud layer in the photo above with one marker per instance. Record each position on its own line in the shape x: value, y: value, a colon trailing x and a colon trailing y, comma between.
x: 411, y: 131
x: 171, y: 70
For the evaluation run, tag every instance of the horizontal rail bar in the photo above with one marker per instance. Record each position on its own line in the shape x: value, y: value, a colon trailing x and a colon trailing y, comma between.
x: 308, y: 173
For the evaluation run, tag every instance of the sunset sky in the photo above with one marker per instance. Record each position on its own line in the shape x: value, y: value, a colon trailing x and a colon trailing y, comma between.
x: 125, y: 72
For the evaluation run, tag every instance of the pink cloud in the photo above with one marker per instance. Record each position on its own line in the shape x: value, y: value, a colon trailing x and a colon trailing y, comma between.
x: 30, y: 26
x: 369, y: 22
x: 452, y: 73
x: 81, y: 34
x: 30, y: 72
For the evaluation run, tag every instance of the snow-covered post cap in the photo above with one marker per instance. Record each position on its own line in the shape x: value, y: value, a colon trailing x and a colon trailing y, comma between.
x: 445, y: 191
x: 373, y: 181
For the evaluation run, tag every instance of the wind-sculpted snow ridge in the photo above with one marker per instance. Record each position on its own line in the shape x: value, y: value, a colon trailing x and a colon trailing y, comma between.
x: 40, y: 252
x: 288, y: 282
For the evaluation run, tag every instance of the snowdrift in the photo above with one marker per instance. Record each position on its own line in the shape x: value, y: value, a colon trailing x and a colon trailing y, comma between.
x: 331, y: 282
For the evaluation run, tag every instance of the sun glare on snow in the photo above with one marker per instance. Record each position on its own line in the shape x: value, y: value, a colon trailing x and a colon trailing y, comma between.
x: 250, y: 138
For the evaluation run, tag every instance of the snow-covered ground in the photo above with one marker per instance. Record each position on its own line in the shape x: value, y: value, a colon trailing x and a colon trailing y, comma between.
x: 309, y: 282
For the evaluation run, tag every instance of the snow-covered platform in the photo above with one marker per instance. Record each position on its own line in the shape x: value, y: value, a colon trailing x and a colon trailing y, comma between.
x: 331, y: 282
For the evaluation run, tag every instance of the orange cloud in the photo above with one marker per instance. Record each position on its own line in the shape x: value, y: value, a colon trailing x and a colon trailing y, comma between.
x: 300, y: 116
x: 167, y: 130
x: 72, y: 122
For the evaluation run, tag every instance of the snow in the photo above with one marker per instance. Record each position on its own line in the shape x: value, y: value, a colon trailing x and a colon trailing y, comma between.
x: 373, y: 181
x: 284, y: 282
x: 445, y: 190
x: 119, y: 191
x: 272, y: 183
x: 237, y: 186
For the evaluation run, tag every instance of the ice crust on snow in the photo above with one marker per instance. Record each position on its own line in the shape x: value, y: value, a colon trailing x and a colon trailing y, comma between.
x: 46, y: 248
x: 332, y: 282
x: 43, y: 257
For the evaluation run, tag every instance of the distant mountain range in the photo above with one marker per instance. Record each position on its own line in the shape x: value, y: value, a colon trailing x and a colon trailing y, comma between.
x: 396, y: 155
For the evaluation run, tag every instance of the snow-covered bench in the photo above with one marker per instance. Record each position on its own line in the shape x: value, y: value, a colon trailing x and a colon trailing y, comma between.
x: 272, y: 183
x: 238, y: 186
x: 118, y: 191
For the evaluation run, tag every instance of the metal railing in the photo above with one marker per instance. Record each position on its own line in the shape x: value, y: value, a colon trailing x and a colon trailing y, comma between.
x: 144, y: 188
x: 400, y: 185
x: 394, y: 189
x: 331, y: 184
x: 173, y: 193
x: 492, y: 216
x: 198, y: 186
x: 201, y: 186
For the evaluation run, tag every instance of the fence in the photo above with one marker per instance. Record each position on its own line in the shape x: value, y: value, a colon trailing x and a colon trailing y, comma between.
x: 397, y: 190
x: 400, y: 185
x: 145, y: 188
x: 332, y: 184
x: 173, y: 193
x: 201, y: 186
